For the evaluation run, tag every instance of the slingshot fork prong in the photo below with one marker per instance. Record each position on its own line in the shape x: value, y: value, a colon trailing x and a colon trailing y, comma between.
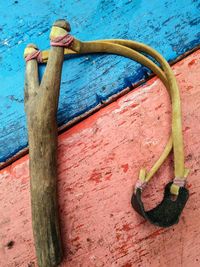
x: 50, y: 83
x: 31, y: 75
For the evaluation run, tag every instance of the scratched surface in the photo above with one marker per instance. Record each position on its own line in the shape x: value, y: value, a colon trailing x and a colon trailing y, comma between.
x: 169, y: 26
x: 99, y: 160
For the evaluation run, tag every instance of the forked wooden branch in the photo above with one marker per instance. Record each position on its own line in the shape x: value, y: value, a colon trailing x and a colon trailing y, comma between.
x: 41, y: 102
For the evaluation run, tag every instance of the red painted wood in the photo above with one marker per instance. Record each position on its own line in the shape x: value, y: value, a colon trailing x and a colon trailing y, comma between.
x: 99, y: 160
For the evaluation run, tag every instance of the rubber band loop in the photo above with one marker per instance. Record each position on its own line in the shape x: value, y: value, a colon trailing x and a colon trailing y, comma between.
x: 37, y: 54
x: 179, y: 181
x: 140, y: 185
x: 176, y: 185
x: 62, y: 41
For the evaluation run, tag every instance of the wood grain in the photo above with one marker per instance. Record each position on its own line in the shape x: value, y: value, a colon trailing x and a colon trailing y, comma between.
x: 99, y: 160
x: 168, y: 26
x: 41, y: 104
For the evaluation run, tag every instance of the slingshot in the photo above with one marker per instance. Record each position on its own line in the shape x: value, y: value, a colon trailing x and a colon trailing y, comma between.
x: 41, y: 103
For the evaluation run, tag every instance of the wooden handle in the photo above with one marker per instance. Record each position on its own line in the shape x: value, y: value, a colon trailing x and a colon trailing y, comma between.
x: 41, y: 102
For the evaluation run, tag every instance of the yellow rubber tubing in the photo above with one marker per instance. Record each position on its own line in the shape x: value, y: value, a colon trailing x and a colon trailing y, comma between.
x: 106, y: 47
x: 126, y: 48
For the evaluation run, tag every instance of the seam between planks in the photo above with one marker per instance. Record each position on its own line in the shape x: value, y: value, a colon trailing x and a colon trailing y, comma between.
x: 85, y: 115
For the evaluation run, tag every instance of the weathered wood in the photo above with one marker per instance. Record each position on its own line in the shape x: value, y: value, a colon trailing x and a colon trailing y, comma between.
x: 165, y: 25
x: 98, y: 164
x: 41, y: 102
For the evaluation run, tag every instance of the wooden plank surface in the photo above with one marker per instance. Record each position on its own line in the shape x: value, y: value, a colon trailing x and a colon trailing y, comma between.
x: 99, y: 160
x: 172, y: 27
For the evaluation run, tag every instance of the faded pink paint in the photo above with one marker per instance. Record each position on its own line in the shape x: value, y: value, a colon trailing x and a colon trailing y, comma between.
x: 99, y: 161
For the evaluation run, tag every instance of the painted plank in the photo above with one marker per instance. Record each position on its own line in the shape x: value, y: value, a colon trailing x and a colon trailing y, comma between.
x: 99, y: 160
x: 169, y: 26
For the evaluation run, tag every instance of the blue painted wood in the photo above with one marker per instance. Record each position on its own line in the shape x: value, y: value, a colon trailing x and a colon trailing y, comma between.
x: 172, y: 27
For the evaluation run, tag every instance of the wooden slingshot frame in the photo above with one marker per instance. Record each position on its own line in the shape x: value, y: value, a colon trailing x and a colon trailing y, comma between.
x: 41, y: 103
